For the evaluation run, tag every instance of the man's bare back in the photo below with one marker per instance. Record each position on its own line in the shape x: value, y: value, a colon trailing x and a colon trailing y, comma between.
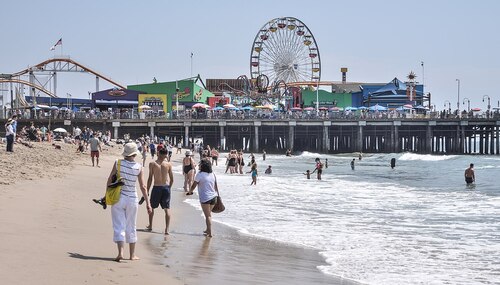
x: 161, y: 172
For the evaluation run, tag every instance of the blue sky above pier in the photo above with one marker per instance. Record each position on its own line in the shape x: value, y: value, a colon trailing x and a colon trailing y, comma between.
x: 134, y: 41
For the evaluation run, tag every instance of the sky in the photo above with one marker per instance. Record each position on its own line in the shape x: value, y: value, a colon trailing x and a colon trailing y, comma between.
x: 134, y: 41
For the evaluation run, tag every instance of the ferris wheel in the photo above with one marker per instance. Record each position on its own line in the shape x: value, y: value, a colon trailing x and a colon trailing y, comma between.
x: 285, y: 49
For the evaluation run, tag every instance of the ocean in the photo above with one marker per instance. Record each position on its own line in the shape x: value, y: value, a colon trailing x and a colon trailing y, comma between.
x: 415, y: 224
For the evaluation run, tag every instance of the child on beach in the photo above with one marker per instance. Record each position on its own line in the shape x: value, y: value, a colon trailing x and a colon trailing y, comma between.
x: 253, y: 170
x: 308, y: 174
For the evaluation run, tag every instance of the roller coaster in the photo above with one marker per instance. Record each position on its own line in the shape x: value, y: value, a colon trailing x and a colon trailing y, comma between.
x: 49, y: 68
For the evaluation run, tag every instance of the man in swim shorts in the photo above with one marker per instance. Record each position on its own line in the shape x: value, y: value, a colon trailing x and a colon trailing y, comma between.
x: 160, y: 171
x: 95, y: 147
x: 470, y: 177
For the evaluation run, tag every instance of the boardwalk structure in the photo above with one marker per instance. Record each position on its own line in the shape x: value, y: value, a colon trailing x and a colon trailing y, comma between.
x: 431, y: 136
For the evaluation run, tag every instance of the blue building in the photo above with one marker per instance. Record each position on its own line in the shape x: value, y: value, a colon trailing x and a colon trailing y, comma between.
x: 392, y: 95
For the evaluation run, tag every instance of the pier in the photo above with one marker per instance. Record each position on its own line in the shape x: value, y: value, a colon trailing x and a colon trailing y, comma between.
x: 426, y: 136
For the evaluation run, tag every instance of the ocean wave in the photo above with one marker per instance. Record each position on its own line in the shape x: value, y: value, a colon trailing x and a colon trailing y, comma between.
x: 425, y: 157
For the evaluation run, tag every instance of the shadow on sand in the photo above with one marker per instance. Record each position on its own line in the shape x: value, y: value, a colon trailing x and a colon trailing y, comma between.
x: 85, y: 257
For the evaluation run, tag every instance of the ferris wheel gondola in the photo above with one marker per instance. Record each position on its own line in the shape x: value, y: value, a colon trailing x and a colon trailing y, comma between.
x: 284, y: 49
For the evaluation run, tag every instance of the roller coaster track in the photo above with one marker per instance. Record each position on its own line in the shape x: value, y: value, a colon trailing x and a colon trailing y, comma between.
x: 63, y: 65
x: 38, y: 87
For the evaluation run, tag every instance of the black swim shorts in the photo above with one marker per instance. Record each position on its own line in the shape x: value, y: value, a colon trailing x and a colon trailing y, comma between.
x: 468, y: 180
x: 160, y: 195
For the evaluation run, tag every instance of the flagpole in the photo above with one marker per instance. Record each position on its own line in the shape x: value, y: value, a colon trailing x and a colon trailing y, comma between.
x: 191, y: 64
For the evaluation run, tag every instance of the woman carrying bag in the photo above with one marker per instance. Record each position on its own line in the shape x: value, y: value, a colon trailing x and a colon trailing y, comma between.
x: 207, y: 191
x: 124, y: 211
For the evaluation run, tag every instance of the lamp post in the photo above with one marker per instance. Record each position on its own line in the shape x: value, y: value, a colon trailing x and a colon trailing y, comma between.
x: 449, y: 106
x: 458, y: 98
x: 176, y: 100
x: 317, y: 99
x: 489, y: 101
x: 468, y: 104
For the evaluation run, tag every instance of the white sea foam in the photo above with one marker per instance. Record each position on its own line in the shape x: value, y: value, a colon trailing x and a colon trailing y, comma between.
x: 425, y: 157
x: 417, y: 224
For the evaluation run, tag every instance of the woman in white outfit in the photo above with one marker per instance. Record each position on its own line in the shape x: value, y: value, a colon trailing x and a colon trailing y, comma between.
x: 207, y: 191
x: 124, y: 212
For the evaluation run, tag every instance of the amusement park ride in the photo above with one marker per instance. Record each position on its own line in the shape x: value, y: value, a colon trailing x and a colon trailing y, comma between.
x: 42, y: 78
x: 284, y: 56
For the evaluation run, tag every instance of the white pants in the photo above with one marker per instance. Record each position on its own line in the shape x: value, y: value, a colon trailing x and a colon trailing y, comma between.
x: 124, y: 217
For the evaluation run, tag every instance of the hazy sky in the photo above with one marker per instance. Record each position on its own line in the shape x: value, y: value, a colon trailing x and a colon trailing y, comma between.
x: 134, y: 41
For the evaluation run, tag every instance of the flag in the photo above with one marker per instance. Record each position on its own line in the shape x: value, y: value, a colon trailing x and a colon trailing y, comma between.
x: 59, y: 43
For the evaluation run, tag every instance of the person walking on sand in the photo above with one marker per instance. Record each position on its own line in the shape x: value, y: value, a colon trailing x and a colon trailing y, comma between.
x: 188, y: 170
x: 469, y: 174
x: 124, y: 212
x: 9, y: 135
x: 160, y: 171
x: 253, y: 170
x: 208, y: 192
x: 95, y: 147
x: 318, y: 169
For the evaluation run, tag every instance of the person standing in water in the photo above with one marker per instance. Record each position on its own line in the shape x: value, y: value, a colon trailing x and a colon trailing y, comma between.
x: 393, y: 163
x: 326, y: 162
x: 469, y: 174
x: 308, y: 174
x: 352, y: 163
x: 253, y: 170
x: 318, y: 169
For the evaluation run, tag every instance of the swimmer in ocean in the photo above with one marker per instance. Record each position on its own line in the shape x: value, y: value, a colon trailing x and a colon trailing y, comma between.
x: 469, y: 174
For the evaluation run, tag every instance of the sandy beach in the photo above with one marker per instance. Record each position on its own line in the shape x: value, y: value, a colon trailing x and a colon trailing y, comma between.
x: 53, y: 233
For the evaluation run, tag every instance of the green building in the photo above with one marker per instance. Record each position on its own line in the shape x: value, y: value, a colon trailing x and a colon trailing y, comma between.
x: 326, y: 99
x: 189, y: 92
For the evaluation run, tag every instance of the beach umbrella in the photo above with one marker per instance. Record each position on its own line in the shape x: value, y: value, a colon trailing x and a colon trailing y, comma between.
x: 408, y: 106
x: 144, y: 107
x: 199, y: 105
x: 218, y: 108
x: 323, y: 109
x: 247, y: 108
x: 229, y: 106
x: 60, y: 130
x: 296, y: 109
x: 475, y: 109
x: 43, y: 106
x: 377, y: 107
x: 419, y: 107
x: 362, y: 108
x: 351, y: 108
x: 54, y: 108
x: 63, y: 109
x: 267, y: 106
x: 308, y: 109
x: 334, y: 109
